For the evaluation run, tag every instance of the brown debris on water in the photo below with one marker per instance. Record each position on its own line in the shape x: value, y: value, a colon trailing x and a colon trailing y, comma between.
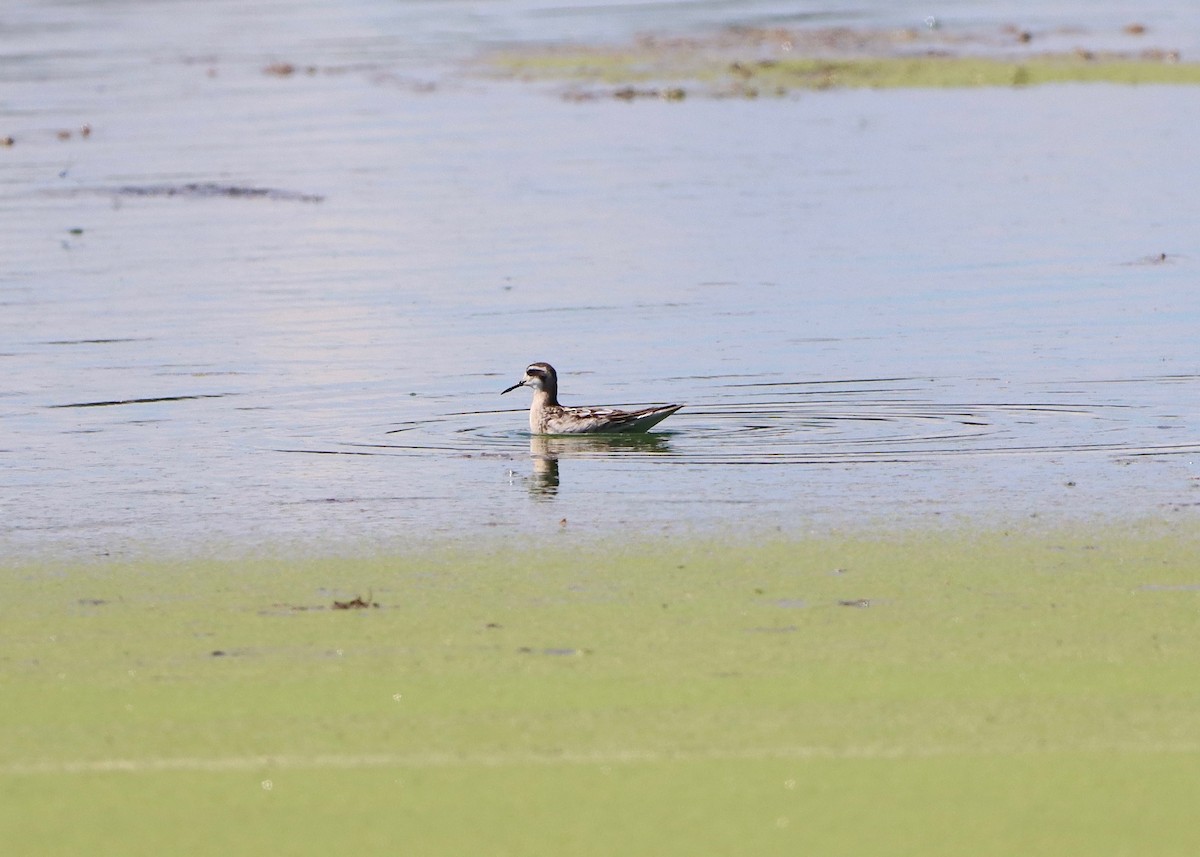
x: 1156, y: 259
x: 356, y: 603
x: 287, y: 69
x: 631, y: 93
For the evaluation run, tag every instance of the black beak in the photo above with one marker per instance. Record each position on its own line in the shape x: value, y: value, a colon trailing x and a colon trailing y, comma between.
x: 513, y: 387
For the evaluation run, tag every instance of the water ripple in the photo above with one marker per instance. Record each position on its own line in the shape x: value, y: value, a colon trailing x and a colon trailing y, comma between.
x: 854, y: 422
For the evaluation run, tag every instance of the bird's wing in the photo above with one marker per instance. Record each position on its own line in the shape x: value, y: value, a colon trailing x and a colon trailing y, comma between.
x: 588, y: 420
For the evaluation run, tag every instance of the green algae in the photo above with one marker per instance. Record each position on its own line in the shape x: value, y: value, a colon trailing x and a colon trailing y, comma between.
x: 723, y: 73
x: 931, y: 72
x: 986, y: 693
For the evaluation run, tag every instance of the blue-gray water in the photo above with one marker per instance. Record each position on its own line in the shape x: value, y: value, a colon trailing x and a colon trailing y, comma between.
x: 881, y: 308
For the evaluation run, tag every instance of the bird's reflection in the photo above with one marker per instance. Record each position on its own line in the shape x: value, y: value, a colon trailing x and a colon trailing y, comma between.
x: 546, y: 450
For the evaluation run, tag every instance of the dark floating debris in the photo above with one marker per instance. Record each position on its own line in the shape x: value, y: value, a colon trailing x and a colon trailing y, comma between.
x: 286, y: 69
x: 206, y: 190
x: 101, y: 341
x: 629, y: 93
x: 357, y: 603
x: 1156, y: 259
x: 855, y: 602
x: 153, y: 400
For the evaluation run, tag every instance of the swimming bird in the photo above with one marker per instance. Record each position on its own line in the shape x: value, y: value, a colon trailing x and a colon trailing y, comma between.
x: 547, y: 416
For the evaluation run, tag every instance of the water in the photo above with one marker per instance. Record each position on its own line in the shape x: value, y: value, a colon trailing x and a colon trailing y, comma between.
x: 880, y: 308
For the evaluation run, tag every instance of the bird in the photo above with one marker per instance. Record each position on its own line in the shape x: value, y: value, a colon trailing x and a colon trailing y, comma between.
x: 547, y: 416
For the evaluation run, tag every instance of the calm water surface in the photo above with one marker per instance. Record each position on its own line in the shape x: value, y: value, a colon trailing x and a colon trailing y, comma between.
x: 887, y: 308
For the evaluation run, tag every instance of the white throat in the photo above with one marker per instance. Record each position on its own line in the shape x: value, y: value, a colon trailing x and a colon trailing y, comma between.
x: 537, y: 410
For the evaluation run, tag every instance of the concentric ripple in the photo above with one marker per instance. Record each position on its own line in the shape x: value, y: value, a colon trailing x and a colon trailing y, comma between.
x: 861, y: 422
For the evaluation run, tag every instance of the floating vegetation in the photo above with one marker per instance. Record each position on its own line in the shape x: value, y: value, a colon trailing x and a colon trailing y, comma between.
x: 749, y: 62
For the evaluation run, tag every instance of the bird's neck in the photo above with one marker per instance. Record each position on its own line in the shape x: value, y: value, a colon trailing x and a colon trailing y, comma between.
x: 542, y: 400
x: 546, y: 397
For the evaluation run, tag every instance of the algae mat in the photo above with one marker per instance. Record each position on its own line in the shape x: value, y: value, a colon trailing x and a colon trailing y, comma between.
x: 934, y: 694
x: 748, y: 62
x: 779, y: 77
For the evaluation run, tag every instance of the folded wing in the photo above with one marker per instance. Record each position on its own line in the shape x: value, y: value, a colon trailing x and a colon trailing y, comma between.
x: 607, y: 420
